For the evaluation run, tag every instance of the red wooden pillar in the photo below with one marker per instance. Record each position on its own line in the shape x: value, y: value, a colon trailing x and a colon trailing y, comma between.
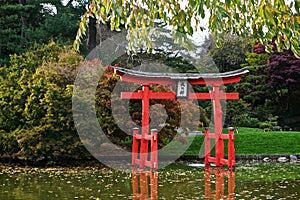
x: 154, y: 153
x: 207, y: 146
x: 231, y: 151
x: 135, y: 146
x: 218, y: 125
x: 145, y: 126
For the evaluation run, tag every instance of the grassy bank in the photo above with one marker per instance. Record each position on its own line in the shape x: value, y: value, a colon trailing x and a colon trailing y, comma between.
x: 249, y: 141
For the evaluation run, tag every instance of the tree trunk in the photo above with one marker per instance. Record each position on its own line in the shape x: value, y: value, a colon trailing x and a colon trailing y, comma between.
x: 92, y: 39
x: 24, y: 26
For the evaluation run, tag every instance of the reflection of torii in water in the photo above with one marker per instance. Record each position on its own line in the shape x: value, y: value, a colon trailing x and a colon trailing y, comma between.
x: 219, y: 182
x: 181, y: 79
x: 140, y: 184
x: 143, y: 181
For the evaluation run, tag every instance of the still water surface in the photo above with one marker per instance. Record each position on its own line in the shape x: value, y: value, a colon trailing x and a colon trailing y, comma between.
x: 178, y: 181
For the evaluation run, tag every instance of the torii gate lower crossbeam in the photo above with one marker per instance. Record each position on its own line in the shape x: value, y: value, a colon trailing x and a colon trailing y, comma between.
x: 215, y: 80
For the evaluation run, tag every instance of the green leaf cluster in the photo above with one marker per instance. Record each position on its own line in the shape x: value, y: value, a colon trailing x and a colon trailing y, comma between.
x: 262, y: 20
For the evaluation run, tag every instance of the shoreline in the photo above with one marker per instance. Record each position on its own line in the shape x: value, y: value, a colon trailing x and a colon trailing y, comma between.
x: 73, y: 162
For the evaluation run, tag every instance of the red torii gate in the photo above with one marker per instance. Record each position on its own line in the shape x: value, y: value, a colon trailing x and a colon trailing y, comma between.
x: 181, y: 80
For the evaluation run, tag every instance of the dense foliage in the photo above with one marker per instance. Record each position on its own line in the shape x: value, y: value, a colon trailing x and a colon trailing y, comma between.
x: 36, y: 92
x: 284, y: 79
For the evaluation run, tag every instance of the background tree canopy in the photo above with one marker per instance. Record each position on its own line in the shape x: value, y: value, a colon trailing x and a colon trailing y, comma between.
x: 26, y: 22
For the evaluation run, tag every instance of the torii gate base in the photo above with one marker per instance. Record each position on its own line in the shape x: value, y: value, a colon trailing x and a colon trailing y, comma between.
x: 141, y: 159
x: 182, y: 81
x: 219, y: 149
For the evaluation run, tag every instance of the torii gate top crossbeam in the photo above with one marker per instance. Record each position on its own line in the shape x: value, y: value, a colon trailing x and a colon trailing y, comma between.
x: 142, y: 77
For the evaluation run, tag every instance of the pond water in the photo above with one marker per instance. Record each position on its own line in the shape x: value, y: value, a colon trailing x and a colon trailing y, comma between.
x: 177, y: 181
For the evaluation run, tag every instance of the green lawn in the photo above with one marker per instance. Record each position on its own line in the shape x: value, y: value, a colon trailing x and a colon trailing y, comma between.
x: 250, y: 141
